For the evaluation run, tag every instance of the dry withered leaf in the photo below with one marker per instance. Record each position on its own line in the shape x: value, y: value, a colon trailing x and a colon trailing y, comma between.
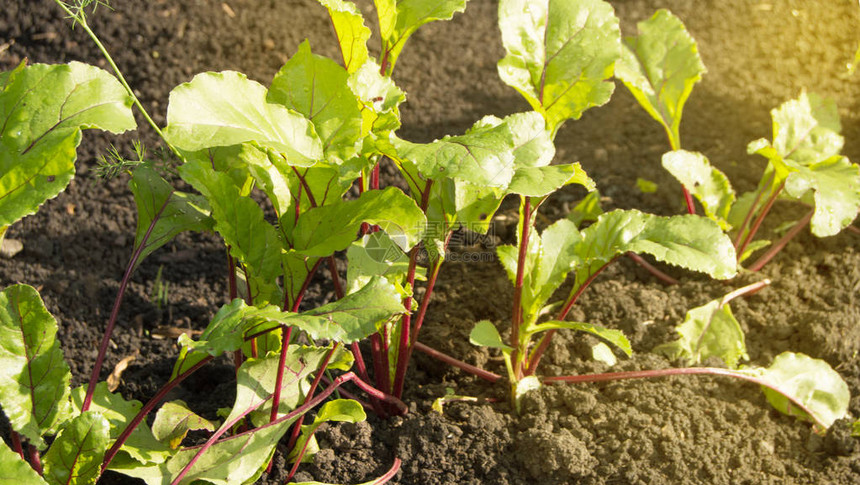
x: 114, y: 377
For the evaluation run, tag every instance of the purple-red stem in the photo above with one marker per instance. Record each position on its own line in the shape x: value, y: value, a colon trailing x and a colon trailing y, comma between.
x: 517, y: 317
x: 471, y: 369
x: 114, y: 314
x: 231, y: 276
x: 534, y: 358
x: 147, y: 408
x: 35, y: 461
x: 777, y: 246
x: 853, y: 229
x: 303, y: 289
x: 335, y: 278
x: 757, y: 224
x: 714, y: 371
x: 652, y: 269
x: 691, y: 206
x: 406, y: 334
x: 750, y: 213
x: 339, y: 381
x: 17, y: 447
x: 362, y: 373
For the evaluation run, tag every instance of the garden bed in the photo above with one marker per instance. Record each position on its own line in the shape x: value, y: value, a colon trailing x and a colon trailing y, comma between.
x: 669, y: 430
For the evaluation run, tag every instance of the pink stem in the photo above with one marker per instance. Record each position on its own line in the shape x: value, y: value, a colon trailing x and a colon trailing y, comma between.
x: 777, y: 246
x: 147, y: 408
x: 471, y: 369
x: 35, y: 460
x: 757, y: 224
x: 114, y: 314
x: 691, y: 206
x: 652, y: 269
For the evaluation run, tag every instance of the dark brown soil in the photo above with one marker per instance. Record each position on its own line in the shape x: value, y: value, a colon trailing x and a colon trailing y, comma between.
x: 674, y: 430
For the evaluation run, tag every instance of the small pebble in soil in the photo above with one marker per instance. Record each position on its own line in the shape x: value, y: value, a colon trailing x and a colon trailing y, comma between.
x: 10, y: 248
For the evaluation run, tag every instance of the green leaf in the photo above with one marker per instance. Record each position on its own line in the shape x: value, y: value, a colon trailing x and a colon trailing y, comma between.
x: 399, y: 19
x: 542, y: 181
x: 174, y: 420
x: 645, y: 186
x: 660, y: 67
x: 805, y: 130
x: 337, y: 410
x: 602, y: 353
x: 353, y: 317
x: 586, y: 210
x: 375, y: 254
x: 380, y: 97
x: 560, y: 54
x: 710, y: 330
x: 16, y: 471
x: 811, y: 382
x: 834, y: 185
x: 551, y: 257
x: 615, y: 337
x: 485, y: 334
x: 316, y: 87
x: 44, y: 108
x: 241, y: 222
x: 141, y: 446
x: 352, y: 34
x: 483, y: 156
x: 34, y: 379
x: 508, y: 255
x: 226, y: 332
x: 691, y: 242
x: 226, y: 108
x: 163, y: 212
x: 76, y: 454
x: 705, y: 182
x: 323, y: 230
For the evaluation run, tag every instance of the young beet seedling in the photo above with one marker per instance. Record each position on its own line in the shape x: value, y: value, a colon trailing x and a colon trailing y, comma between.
x: 660, y: 67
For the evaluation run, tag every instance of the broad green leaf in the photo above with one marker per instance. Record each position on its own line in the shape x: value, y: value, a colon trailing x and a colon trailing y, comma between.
x: 399, y: 19
x: 316, y: 87
x: 542, y: 181
x: 805, y: 130
x: 353, y: 317
x: 43, y: 109
x: 256, y: 381
x: 141, y: 445
x: 238, y: 459
x: 811, y: 382
x: 532, y: 142
x: 76, y: 454
x: 323, y: 230
x: 705, y: 182
x: 352, y: 34
x: 240, y: 221
x: 485, y: 334
x: 482, y: 156
x: 34, y: 379
x: 508, y: 255
x: 226, y: 108
x: 174, y: 420
x: 560, y: 54
x: 710, y: 330
x: 691, y: 242
x: 586, y: 210
x: 375, y: 254
x: 834, y: 185
x: 546, y: 271
x: 163, y: 212
x: 16, y: 471
x: 379, y: 96
x: 615, y: 337
x: 226, y: 332
x: 660, y: 67
x: 337, y: 410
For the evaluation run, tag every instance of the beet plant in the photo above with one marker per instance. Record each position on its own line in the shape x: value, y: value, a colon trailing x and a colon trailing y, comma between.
x: 660, y: 67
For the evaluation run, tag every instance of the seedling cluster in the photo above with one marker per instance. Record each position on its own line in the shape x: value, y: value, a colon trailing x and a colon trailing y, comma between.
x: 311, y: 143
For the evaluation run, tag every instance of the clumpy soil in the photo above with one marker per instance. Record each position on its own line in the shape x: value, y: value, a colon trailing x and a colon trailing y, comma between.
x: 672, y: 430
